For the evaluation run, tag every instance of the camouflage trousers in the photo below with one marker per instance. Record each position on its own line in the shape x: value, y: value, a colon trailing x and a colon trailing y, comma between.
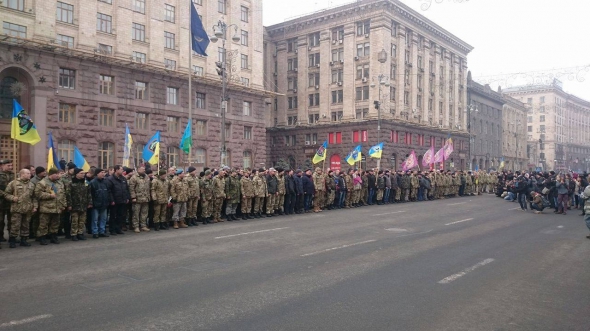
x: 4, y: 214
x: 280, y: 202
x: 160, y: 212
x: 330, y: 198
x: 414, y: 193
x: 191, y: 207
x: 19, y: 225
x: 356, y: 196
x: 217, y: 205
x: 379, y: 194
x: 398, y: 194
x: 349, y: 198
x: 140, y: 213
x: 78, y: 222
x: 246, y: 206
x: 364, y: 195
x: 205, y: 208
x: 406, y: 194
x: 231, y: 207
x: 318, y: 199
x: 33, y: 224
x: 271, y: 200
x: 178, y: 211
x: 258, y: 204
x: 48, y: 224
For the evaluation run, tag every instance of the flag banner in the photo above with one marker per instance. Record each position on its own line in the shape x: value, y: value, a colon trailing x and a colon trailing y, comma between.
x: 79, y: 160
x: 448, y: 147
x: 186, y: 143
x: 376, y: 151
x: 22, y: 126
x: 428, y: 157
x: 502, y: 163
x: 320, y: 155
x: 439, y: 156
x: 127, y: 147
x: 52, y: 161
x: 354, y: 156
x: 200, y: 39
x: 410, y: 162
x: 151, y: 151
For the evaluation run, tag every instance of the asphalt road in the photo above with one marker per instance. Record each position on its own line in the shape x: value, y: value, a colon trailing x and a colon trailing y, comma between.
x: 473, y: 263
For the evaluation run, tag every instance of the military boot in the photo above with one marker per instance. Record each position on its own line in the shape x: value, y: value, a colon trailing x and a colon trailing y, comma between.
x: 175, y: 225
x: 53, y: 238
x: 74, y: 238
x: 23, y: 242
x: 182, y: 224
x: 12, y: 242
x: 244, y: 217
x: 42, y: 240
x: 81, y: 237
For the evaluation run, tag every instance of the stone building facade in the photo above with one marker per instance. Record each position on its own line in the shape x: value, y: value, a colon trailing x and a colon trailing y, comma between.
x: 90, y: 67
x: 514, y: 140
x: 332, y: 66
x: 558, y: 126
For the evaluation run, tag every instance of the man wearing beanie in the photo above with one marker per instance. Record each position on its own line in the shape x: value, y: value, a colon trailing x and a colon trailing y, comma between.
x: 160, y: 193
x: 206, y: 187
x: 81, y: 200
x: 179, y: 195
x: 218, y: 195
x: 193, y: 196
x: 52, y: 202
x: 117, y: 184
x: 40, y: 173
x: 139, y: 189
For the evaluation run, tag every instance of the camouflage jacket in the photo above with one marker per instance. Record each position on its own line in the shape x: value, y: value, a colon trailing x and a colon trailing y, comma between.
x: 139, y: 188
x: 319, y: 182
x: 233, y: 189
x: 179, y: 190
x: 160, y: 191
x: 206, y: 189
x: 219, y: 187
x: 260, y: 186
x: 414, y: 182
x: 5, y: 178
x: 47, y: 203
x: 281, y: 184
x: 405, y: 182
x: 24, y: 191
x: 80, y: 195
x: 365, y: 181
x: 193, y: 186
x: 468, y: 180
x: 348, y: 180
x: 247, y: 187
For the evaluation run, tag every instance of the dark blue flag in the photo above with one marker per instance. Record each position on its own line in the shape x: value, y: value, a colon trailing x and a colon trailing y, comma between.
x: 200, y: 39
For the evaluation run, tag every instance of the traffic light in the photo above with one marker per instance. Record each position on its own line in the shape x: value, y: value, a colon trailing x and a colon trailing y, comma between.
x: 219, y: 68
x: 377, y: 104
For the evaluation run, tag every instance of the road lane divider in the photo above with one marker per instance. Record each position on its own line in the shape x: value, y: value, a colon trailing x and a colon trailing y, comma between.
x: 461, y: 221
x: 465, y: 271
x: 339, y: 247
x: 246, y: 233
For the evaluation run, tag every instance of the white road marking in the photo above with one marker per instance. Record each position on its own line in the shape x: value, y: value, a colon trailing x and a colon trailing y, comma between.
x: 339, y: 247
x: 245, y: 233
x: 461, y: 221
x: 560, y: 227
x: 393, y: 212
x: 396, y: 230
x: 25, y: 321
x: 514, y: 208
x: 465, y: 272
x: 458, y: 203
x: 413, y: 234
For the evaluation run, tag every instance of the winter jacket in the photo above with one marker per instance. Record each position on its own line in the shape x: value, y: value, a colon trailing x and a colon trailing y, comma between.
x: 139, y: 188
x: 100, y: 193
x: 372, y: 181
x: 290, y: 184
x: 298, y: 184
x: 387, y: 181
x: 272, y: 184
x: 380, y: 183
x: 24, y: 191
x: 561, y: 188
x: 308, y: 187
x: 47, y: 203
x: 80, y: 194
x: 119, y: 189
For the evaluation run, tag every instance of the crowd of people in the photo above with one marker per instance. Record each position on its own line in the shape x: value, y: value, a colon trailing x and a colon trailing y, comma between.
x: 45, y: 204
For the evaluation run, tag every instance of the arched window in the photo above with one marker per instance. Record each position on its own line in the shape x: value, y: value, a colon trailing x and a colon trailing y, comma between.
x: 201, y: 156
x: 106, y: 155
x: 173, y: 157
x: 6, y: 97
x: 247, y: 158
x: 65, y: 149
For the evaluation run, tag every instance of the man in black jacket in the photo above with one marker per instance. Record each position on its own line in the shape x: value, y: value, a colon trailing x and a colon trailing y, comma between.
x: 290, y: 195
x: 308, y: 190
x: 372, y: 186
x: 119, y: 190
x: 298, y: 191
x: 101, y: 200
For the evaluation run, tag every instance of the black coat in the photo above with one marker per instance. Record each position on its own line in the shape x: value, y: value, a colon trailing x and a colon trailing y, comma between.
x: 308, y: 187
x: 119, y: 189
x: 289, y: 185
x: 298, y: 184
x: 101, y: 196
x: 372, y: 181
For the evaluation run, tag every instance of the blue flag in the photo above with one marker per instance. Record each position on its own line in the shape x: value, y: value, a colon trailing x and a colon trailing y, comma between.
x: 52, y: 161
x: 187, y: 139
x: 200, y: 39
x: 151, y: 151
x: 79, y: 160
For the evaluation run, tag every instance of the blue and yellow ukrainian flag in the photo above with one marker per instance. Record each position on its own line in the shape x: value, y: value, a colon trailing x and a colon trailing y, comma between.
x: 151, y: 151
x: 52, y: 161
x: 354, y: 156
x: 127, y: 147
x: 320, y: 155
x: 79, y: 160
x: 22, y: 128
x: 376, y: 151
x: 502, y: 163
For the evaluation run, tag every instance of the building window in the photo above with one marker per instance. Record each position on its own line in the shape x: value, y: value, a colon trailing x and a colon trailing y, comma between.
x: 338, y: 33
x: 530, y: 128
x: 244, y: 14
x: 171, y: 95
x: 200, y: 100
x: 201, y: 128
x: 292, y: 64
x: 172, y: 124
x: 292, y: 102
x: 65, y: 150
x: 170, y: 64
x: 542, y: 128
x: 106, y: 84
x: 139, y: 6
x: 65, y: 41
x: 314, y: 59
x: 106, y: 117
x: 14, y: 30
x: 362, y: 113
x: 292, y: 120
x: 65, y: 13
x: 169, y: 13
x: 392, y: 93
x: 222, y: 6
x: 337, y: 96
x: 314, y: 39
x: 337, y: 54
x: 172, y: 156
x: 244, y: 61
x: 107, y: 1
x: 247, y: 133
x: 362, y: 71
x: 104, y: 23
x: 362, y: 93
x: 335, y: 138
x: 137, y: 153
x: 336, y: 116
x: 169, y: 40
x: 105, y: 49
x: 247, y: 108
x: 199, y: 71
x: 363, y: 49
x: 138, y: 32
x: 14, y: 4
x: 247, y: 159
x: 244, y: 38
x: 542, y: 118
x: 140, y: 90
x: 314, y: 99
x: 406, y: 98
x: 67, y: 113
x: 139, y: 57
x: 314, y: 80
x: 337, y: 76
x: 291, y: 45
x: 67, y: 78
x: 363, y: 28
x: 105, y: 155
x: 313, y: 118
x: 393, y: 51
x: 141, y: 121
x: 200, y: 156
x: 245, y: 81
x: 359, y: 136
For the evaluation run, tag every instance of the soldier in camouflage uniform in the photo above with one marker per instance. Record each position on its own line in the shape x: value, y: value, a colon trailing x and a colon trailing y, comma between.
x: 179, y: 195
x: 414, y: 186
x: 6, y: 176
x: 65, y: 224
x: 280, y: 202
x: 160, y: 194
x: 53, y: 200
x: 247, y: 190
x: 81, y: 200
x: 193, y: 196
x: 349, y: 188
x: 380, y: 187
x: 40, y: 173
x: 139, y: 188
x: 456, y: 183
x: 468, y: 183
x: 206, y: 187
x: 357, y: 188
x: 21, y: 193
x: 260, y: 192
x: 405, y: 185
x: 319, y: 183
x: 233, y: 194
x: 331, y: 189
x: 364, y: 194
x: 218, y: 195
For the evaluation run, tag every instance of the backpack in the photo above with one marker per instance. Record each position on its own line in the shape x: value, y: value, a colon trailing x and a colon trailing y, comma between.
x: 546, y: 203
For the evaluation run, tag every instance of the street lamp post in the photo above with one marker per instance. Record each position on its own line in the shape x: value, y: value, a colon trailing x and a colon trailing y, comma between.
x: 220, y: 31
x: 468, y: 110
x: 382, y: 80
x: 516, y: 126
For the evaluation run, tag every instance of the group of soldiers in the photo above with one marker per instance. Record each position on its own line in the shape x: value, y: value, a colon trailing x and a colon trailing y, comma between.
x: 43, y: 204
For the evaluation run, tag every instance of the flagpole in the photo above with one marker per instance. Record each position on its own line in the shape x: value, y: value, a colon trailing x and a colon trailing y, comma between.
x: 15, y: 157
x: 190, y: 79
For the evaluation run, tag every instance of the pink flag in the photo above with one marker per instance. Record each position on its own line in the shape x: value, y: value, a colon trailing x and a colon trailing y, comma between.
x: 410, y: 162
x: 438, y: 157
x: 428, y: 157
x: 448, y: 148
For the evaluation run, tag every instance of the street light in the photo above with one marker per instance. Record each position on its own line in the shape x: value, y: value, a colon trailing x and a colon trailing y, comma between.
x: 220, y: 31
x: 469, y: 109
x: 516, y: 126
x: 382, y: 80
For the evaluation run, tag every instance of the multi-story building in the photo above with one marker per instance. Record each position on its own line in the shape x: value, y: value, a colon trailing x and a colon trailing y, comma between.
x: 559, y: 123
x: 84, y: 69
x: 514, y: 137
x: 333, y: 67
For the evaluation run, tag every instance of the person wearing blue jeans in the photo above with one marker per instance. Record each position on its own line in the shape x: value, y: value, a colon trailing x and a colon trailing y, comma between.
x: 342, y: 199
x: 101, y: 200
x: 386, y: 196
x: 99, y: 221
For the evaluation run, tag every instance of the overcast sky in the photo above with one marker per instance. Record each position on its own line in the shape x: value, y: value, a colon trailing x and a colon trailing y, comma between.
x: 508, y: 36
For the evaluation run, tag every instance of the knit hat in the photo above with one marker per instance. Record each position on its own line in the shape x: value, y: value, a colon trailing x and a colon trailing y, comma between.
x: 216, y: 173
x: 127, y: 170
x: 98, y: 171
x: 39, y: 170
x: 162, y: 172
x: 71, y: 166
x: 179, y: 171
x: 77, y: 171
x: 207, y: 172
x: 261, y: 170
x: 149, y: 171
x: 191, y: 169
x: 53, y: 171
